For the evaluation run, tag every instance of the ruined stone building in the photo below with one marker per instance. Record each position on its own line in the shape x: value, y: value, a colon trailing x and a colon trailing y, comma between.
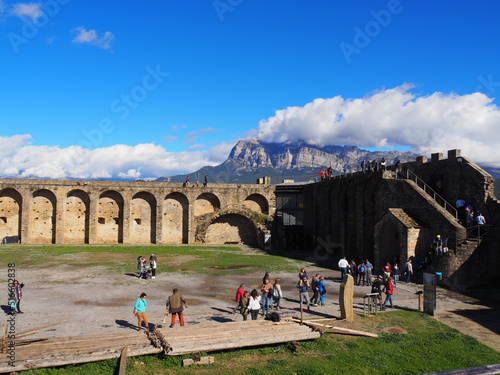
x: 380, y: 215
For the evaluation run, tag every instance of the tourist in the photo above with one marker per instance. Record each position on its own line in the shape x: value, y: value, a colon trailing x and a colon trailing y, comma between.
x: 239, y: 293
x: 460, y: 204
x: 314, y: 287
x: 205, y: 183
x: 382, y: 164
x: 353, y: 269
x: 389, y: 291
x: 266, y: 298
x: 303, y: 273
x: 267, y: 276
x: 395, y: 273
x: 361, y: 274
x: 140, y: 265
x: 175, y: 305
x: 343, y: 265
x: 187, y: 182
x: 17, y: 291
x: 254, y: 304
x: 369, y: 271
x: 469, y: 219
x: 377, y: 288
x: 152, y: 264
x: 386, y: 271
x: 278, y: 294
x: 140, y: 311
x: 408, y: 271
x: 480, y: 220
x: 322, y: 290
x: 304, y: 287
x: 243, y: 305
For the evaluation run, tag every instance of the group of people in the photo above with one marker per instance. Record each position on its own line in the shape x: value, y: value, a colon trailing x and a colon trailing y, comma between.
x: 250, y: 303
x: 174, y: 306
x: 325, y: 174
x: 316, y: 285
x: 143, y: 271
x: 466, y: 214
x: 187, y: 182
x: 373, y: 165
x: 361, y: 272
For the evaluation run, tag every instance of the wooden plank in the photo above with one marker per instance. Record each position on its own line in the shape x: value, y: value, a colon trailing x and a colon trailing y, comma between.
x: 58, y: 351
x: 122, y: 365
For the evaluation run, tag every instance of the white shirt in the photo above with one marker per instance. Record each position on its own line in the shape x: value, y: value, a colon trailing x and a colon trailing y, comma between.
x: 343, y: 263
x: 254, y: 304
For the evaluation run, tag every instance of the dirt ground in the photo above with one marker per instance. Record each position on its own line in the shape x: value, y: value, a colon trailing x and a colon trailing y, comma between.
x: 90, y: 301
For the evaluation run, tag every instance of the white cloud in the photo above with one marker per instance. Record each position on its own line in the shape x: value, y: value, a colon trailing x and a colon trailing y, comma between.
x: 394, y: 117
x: 19, y: 159
x: 27, y: 10
x: 84, y: 36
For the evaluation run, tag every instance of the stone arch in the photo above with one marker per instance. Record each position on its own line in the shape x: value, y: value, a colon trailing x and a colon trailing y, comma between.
x: 230, y: 226
x: 110, y: 217
x: 206, y: 203
x: 43, y: 217
x: 76, y: 217
x: 175, y: 226
x: 10, y: 215
x: 143, y: 218
x: 257, y: 203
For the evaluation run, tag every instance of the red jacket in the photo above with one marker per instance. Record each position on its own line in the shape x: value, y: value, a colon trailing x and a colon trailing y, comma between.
x: 389, y: 288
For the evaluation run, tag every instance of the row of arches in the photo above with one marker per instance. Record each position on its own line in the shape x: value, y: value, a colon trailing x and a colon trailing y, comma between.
x: 77, y: 216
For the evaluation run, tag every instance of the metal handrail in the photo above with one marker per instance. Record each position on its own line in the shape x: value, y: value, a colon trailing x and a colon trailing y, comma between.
x: 437, y: 198
x: 477, y: 232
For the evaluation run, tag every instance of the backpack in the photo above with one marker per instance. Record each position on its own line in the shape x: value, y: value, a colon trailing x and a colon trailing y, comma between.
x: 362, y: 269
x: 270, y: 293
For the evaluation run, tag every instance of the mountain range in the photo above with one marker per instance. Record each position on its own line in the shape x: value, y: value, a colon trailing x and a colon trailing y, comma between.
x: 252, y: 159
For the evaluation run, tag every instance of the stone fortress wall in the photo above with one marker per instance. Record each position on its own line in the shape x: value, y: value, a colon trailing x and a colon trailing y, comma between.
x: 385, y: 217
x: 111, y: 212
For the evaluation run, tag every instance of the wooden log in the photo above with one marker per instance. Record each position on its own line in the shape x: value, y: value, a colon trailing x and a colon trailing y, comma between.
x: 122, y: 365
x: 340, y: 329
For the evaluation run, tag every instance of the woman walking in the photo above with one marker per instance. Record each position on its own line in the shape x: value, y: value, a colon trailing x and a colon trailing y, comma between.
x: 278, y: 294
x: 254, y: 304
x: 140, y: 311
x: 389, y: 291
x: 243, y: 305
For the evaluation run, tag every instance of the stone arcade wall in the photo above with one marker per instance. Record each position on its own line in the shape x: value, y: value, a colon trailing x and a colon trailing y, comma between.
x: 107, y: 212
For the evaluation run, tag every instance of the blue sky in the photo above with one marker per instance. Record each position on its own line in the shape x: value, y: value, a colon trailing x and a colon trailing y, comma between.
x: 134, y: 89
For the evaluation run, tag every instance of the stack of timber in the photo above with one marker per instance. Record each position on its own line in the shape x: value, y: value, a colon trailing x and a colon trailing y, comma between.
x: 60, y: 351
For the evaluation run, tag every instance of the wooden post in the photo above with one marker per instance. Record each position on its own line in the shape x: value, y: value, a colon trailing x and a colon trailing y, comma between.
x: 122, y: 365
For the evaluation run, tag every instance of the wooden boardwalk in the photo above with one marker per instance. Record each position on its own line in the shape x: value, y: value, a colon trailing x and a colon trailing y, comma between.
x: 60, y: 351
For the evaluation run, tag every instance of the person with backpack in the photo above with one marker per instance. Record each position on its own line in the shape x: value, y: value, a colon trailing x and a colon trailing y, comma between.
x: 362, y: 274
x: 321, y: 290
x: 304, y: 287
x: 243, y: 305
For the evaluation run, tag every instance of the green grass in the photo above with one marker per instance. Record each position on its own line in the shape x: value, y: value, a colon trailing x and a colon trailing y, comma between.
x: 428, y: 346
x: 201, y: 259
